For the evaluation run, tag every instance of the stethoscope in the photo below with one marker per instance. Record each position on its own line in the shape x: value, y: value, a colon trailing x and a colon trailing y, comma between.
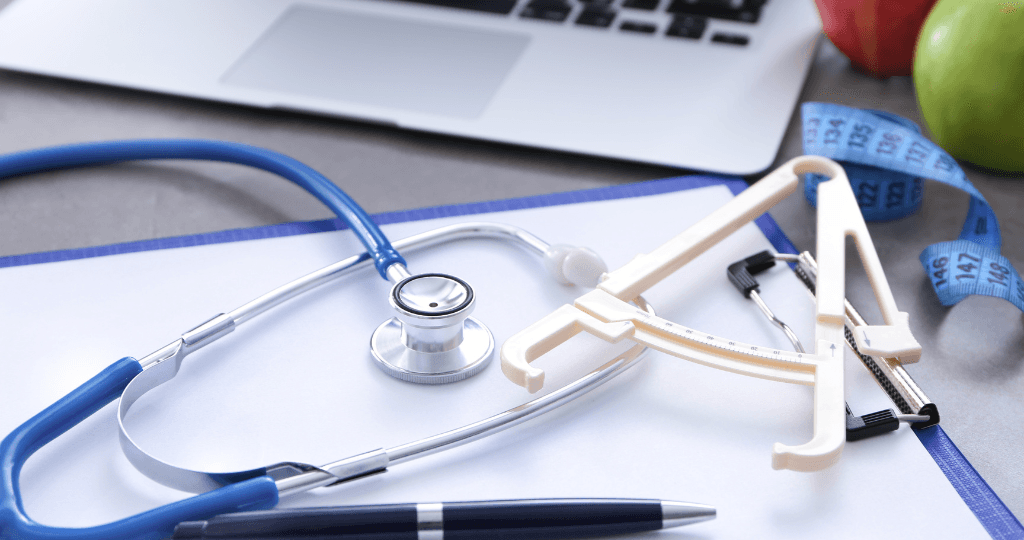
x: 432, y: 339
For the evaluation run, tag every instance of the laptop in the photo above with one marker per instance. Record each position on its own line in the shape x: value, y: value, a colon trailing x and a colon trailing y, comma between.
x: 700, y: 84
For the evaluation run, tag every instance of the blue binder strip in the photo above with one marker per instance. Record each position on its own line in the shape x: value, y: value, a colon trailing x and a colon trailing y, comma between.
x: 986, y: 505
x: 770, y: 228
x: 980, y: 498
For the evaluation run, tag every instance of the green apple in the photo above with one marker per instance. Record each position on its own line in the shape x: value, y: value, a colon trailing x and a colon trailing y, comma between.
x: 969, y: 76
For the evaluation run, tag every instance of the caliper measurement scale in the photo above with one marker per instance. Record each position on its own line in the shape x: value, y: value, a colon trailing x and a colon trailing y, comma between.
x: 798, y: 367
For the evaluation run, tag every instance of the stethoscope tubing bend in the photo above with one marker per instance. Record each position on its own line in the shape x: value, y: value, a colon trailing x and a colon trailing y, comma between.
x: 99, y: 153
x: 94, y: 394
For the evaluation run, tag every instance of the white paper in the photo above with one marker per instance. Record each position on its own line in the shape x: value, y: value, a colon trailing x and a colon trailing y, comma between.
x: 298, y: 384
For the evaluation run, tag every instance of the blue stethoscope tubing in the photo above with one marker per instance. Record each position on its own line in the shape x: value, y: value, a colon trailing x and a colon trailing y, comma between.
x: 253, y: 494
x: 100, y: 153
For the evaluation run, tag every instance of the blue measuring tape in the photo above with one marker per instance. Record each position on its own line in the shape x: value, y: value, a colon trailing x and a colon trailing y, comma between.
x: 886, y: 158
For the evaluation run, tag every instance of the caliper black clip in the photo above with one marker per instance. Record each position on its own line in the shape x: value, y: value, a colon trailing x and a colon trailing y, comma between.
x: 741, y: 275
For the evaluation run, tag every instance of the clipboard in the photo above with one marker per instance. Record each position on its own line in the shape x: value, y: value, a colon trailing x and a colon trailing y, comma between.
x: 990, y: 512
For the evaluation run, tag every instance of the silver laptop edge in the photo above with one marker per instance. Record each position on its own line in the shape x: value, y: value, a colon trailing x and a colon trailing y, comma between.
x: 695, y: 104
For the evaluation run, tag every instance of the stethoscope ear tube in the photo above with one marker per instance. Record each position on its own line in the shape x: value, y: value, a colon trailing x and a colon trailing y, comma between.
x: 253, y: 494
x: 99, y: 153
x: 42, y: 428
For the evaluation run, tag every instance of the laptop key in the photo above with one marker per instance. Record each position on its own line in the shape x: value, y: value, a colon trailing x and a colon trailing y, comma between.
x: 649, y: 5
x: 731, y: 39
x: 549, y: 10
x: 503, y: 7
x: 597, y: 16
x: 687, y: 26
x: 748, y: 11
x: 638, y: 27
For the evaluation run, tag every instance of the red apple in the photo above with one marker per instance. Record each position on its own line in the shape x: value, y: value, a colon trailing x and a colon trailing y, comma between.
x: 878, y: 36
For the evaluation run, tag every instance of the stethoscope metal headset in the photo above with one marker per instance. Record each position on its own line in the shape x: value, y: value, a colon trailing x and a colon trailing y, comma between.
x: 432, y: 339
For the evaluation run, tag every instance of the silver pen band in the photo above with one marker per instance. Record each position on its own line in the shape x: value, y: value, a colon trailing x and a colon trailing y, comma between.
x: 430, y: 521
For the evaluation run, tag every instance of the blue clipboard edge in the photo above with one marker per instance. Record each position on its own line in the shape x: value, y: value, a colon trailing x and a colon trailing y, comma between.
x: 976, y: 493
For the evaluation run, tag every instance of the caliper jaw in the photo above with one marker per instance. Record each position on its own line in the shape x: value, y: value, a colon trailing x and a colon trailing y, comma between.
x: 540, y: 337
x: 890, y: 340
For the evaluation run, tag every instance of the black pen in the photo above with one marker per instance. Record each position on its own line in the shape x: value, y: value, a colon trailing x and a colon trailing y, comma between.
x: 490, y: 520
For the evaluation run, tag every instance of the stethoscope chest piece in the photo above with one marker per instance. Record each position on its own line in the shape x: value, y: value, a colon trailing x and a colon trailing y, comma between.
x: 432, y: 340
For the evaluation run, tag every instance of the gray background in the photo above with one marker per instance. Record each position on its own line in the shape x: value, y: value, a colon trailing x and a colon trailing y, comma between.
x: 973, y: 353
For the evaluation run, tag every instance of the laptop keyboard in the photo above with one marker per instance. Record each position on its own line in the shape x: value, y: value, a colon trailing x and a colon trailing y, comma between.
x: 688, y: 19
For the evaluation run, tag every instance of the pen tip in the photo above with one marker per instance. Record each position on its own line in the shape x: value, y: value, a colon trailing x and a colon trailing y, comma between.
x: 675, y: 514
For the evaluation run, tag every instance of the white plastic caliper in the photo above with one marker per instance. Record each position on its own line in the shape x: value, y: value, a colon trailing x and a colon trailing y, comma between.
x: 607, y: 313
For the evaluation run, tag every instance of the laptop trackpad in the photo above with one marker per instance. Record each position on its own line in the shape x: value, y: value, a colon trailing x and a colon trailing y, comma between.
x: 381, y: 61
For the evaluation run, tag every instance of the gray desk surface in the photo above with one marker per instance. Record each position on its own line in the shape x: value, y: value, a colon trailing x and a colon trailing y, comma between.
x: 973, y: 366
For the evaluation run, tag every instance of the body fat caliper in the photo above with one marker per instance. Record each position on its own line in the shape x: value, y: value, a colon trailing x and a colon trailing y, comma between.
x: 607, y: 313
x: 915, y: 408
